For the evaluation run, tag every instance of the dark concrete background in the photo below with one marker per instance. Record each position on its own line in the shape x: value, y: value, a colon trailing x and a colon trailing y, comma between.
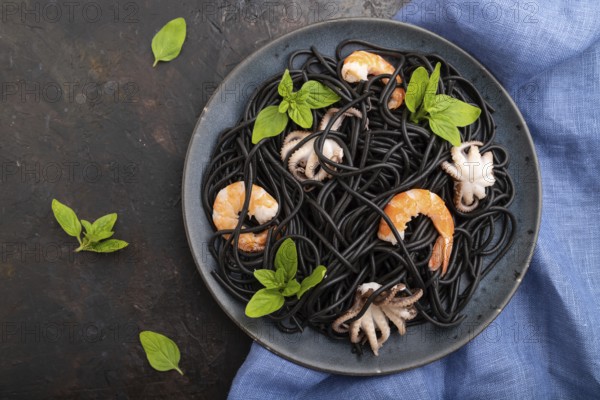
x: 84, y: 118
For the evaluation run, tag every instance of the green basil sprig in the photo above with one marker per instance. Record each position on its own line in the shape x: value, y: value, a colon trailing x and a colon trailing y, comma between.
x: 444, y: 113
x: 167, y: 43
x: 272, y: 120
x: 162, y: 353
x: 281, y: 283
x: 97, y: 234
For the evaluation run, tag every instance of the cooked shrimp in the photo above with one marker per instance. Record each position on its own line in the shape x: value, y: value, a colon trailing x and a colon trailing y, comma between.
x: 409, y: 204
x: 228, y: 205
x: 360, y: 64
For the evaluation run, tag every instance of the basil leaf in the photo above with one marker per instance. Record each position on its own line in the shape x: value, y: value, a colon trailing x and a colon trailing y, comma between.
x: 292, y: 288
x: 301, y: 115
x: 432, y: 86
x: 454, y: 110
x: 105, y: 223
x: 67, y: 219
x: 415, y: 92
x: 286, y: 259
x: 101, y: 228
x: 316, y: 95
x: 162, y: 353
x: 106, y: 246
x: 267, y: 278
x: 167, y: 43
x: 441, y: 126
x: 302, y: 96
x: 98, y: 236
x: 286, y: 86
x: 269, y: 122
x: 88, y: 226
x: 280, y: 277
x: 264, y: 302
x: 312, y: 280
x: 440, y: 103
x: 283, y: 106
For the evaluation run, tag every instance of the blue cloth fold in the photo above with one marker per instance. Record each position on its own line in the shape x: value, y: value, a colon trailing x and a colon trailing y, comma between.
x: 546, y: 342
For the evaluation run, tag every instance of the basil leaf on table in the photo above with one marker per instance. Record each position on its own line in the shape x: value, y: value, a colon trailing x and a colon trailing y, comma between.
x: 67, y: 219
x: 101, y: 228
x: 95, y: 234
x: 167, y: 43
x: 88, y: 228
x: 162, y: 353
x: 105, y: 223
x: 106, y: 246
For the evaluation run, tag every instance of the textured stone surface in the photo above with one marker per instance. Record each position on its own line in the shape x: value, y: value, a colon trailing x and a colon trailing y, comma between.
x: 86, y: 119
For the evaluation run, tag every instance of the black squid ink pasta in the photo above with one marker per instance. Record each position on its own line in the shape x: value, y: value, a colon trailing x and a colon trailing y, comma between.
x: 334, y: 222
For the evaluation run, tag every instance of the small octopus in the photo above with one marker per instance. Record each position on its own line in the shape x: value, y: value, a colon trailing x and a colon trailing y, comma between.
x: 304, y: 162
x: 386, y: 307
x: 472, y: 173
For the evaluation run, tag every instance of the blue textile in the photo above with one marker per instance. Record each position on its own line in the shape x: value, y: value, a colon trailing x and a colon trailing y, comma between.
x: 547, y: 55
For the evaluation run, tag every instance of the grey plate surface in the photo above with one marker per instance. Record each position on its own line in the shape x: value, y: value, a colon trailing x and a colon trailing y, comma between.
x: 422, y: 344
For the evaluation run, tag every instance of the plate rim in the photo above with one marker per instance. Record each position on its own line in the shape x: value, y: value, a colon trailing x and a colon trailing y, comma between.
x: 187, y: 191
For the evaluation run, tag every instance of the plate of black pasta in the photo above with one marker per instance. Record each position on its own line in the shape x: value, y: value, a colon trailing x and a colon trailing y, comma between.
x: 367, y: 202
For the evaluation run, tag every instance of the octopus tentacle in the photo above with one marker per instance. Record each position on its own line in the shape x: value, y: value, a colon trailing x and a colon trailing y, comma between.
x: 338, y: 325
x: 409, y: 300
x: 290, y: 141
x: 398, y: 321
x: 461, y: 206
x: 451, y: 170
x: 355, y: 335
x: 381, y: 322
x: 368, y: 325
x: 351, y: 112
x: 463, y: 146
x: 386, y: 307
x: 393, y: 291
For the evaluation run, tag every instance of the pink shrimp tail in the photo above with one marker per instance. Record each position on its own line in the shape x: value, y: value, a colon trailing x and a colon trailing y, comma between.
x: 442, y: 249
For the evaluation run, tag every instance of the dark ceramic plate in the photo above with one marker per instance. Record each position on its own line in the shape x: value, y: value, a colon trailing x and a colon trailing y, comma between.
x: 422, y: 344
